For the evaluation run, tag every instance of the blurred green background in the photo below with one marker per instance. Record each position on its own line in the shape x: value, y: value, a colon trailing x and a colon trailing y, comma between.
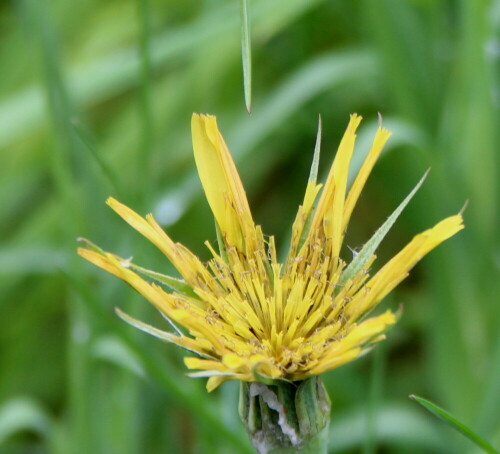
x: 95, y: 100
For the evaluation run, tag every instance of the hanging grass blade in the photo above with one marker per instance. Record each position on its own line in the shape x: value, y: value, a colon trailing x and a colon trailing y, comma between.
x: 457, y: 425
x: 246, y: 49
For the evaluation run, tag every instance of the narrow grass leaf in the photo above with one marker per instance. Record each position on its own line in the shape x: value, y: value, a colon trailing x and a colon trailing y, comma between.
x: 371, y: 246
x: 457, y: 425
x: 246, y: 49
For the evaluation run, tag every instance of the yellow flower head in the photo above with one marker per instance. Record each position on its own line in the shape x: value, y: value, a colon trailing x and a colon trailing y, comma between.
x: 247, y: 316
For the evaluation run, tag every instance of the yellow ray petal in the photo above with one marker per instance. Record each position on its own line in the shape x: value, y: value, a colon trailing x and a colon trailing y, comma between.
x: 181, y: 309
x: 351, y: 346
x: 221, y: 182
x: 160, y: 239
x: 365, y: 332
x: 335, y: 361
x: 392, y: 273
x: 379, y: 141
x: 188, y: 265
x: 163, y: 242
x: 205, y: 364
x: 111, y: 265
x: 215, y: 382
x: 251, y: 316
x: 331, y: 203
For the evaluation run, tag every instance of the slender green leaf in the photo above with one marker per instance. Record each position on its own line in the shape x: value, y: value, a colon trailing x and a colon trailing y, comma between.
x: 246, y: 53
x: 456, y: 424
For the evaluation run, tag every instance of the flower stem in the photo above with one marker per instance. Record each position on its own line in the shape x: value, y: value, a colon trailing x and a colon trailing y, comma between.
x: 285, y: 418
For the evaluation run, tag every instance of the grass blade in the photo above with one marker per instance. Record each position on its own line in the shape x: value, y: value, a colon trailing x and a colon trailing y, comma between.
x: 313, y: 176
x: 457, y: 425
x: 246, y: 53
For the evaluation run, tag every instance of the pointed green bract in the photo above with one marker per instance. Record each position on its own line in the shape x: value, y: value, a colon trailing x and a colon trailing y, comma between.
x: 178, y: 285
x: 144, y: 327
x: 313, y: 175
x: 313, y: 178
x: 366, y: 253
x: 173, y: 283
x: 90, y: 245
x: 220, y: 242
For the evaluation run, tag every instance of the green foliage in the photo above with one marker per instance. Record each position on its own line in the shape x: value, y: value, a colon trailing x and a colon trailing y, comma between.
x: 95, y: 100
x: 246, y: 53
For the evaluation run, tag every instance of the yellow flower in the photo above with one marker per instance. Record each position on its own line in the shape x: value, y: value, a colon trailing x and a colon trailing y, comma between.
x: 248, y: 316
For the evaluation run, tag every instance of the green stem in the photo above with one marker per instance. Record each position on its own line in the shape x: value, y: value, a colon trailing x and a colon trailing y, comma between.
x: 286, y: 418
